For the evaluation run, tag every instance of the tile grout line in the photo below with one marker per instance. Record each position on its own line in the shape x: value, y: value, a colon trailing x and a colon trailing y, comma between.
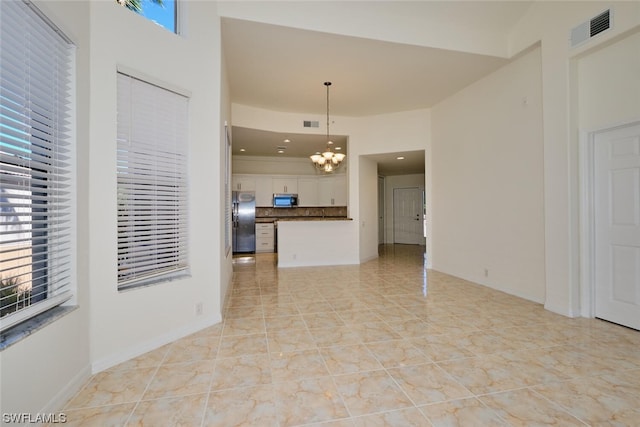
x: 213, y: 371
x: 155, y: 372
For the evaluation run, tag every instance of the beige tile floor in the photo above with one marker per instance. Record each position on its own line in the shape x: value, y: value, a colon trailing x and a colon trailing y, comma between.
x: 382, y: 344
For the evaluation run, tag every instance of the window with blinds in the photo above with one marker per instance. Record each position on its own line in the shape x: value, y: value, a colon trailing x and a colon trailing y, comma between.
x: 152, y: 183
x: 37, y: 191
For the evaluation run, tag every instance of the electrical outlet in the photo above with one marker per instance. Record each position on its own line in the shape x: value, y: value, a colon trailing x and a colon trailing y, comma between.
x: 199, y: 309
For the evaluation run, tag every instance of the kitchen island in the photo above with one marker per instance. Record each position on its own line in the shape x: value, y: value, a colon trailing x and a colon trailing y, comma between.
x: 307, y: 242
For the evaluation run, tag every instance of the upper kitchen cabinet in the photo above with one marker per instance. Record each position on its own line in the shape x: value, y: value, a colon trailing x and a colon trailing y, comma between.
x: 332, y: 190
x: 264, y: 191
x: 308, y: 192
x: 285, y: 185
x: 312, y: 190
x: 243, y: 183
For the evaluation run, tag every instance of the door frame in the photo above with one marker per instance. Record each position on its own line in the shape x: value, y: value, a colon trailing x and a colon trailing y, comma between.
x: 587, y: 215
x: 382, y: 203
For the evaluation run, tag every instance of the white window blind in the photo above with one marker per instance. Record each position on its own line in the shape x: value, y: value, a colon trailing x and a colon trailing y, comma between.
x: 152, y: 183
x: 36, y: 164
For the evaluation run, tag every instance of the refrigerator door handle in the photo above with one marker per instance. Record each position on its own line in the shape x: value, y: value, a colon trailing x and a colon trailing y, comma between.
x: 234, y: 215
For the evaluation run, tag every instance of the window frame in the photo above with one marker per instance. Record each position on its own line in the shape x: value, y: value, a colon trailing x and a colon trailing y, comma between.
x: 47, y: 131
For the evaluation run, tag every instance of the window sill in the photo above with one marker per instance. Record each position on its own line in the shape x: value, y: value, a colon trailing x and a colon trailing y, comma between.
x: 24, y: 329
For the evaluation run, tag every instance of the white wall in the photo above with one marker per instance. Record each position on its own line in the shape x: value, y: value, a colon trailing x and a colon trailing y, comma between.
x: 445, y: 26
x: 39, y: 373
x: 125, y: 324
x: 387, y: 133
x: 368, y: 205
x: 550, y: 23
x: 391, y: 183
x: 609, y: 84
x: 488, y: 181
x: 226, y: 266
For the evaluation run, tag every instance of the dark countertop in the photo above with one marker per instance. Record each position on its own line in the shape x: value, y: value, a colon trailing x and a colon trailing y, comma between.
x: 316, y: 218
x: 265, y: 220
x: 262, y: 220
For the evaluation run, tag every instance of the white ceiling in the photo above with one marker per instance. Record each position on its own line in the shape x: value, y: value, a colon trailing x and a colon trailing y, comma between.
x: 283, y: 69
x: 264, y: 143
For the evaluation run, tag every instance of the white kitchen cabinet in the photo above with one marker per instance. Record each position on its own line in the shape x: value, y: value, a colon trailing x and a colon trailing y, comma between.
x: 307, y: 191
x: 264, y: 237
x: 340, y: 193
x: 264, y: 191
x: 332, y: 190
x: 325, y: 190
x: 243, y: 183
x: 285, y: 185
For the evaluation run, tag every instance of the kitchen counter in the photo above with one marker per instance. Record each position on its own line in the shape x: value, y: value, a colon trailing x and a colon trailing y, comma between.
x: 317, y: 241
x: 265, y: 220
x: 316, y: 218
x: 266, y: 214
x: 301, y: 218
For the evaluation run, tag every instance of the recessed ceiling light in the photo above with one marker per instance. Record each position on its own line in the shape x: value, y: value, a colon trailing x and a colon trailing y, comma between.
x: 280, y: 151
x: 400, y: 157
x: 338, y: 148
x: 287, y: 140
x: 242, y: 150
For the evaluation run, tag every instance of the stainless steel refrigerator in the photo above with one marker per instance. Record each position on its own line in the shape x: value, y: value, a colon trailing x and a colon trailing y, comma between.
x: 244, y: 221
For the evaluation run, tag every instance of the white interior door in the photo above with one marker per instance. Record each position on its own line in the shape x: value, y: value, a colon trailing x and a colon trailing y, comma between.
x: 617, y: 225
x: 408, y: 216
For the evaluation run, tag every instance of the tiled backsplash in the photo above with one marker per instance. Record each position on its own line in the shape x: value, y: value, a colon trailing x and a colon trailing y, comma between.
x: 330, y: 211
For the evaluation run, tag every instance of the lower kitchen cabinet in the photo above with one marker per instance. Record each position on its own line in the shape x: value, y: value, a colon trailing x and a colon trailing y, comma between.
x: 264, y: 237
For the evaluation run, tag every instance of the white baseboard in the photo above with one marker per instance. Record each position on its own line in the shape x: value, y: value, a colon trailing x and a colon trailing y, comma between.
x: 146, y: 346
x: 505, y: 289
x: 67, y: 391
x: 314, y: 263
x: 562, y: 310
x: 515, y: 292
x: 369, y: 258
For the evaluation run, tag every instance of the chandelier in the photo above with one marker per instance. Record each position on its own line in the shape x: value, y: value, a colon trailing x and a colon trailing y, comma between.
x: 328, y: 161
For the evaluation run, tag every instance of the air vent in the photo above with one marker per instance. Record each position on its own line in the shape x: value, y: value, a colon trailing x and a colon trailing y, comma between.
x: 600, y: 23
x: 310, y: 124
x: 586, y: 30
x: 281, y: 147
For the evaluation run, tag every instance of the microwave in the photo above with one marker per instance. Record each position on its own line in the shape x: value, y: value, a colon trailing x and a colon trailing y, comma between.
x: 285, y: 200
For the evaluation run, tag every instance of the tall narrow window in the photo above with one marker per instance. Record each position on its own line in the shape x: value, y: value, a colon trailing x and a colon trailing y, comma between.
x: 152, y: 183
x: 36, y: 164
x: 162, y: 12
